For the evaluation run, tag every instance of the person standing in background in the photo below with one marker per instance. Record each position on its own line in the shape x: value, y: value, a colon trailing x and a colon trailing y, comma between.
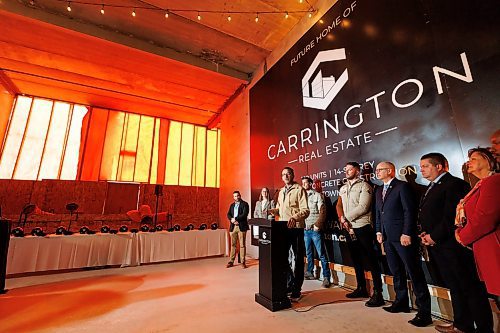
x: 313, y: 237
x: 237, y: 216
x: 263, y: 205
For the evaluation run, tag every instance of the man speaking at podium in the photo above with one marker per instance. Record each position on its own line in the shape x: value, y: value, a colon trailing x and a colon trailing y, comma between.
x: 292, y: 207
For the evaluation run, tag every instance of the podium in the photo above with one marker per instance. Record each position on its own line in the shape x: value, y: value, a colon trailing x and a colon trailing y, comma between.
x: 273, y: 264
x: 4, y: 250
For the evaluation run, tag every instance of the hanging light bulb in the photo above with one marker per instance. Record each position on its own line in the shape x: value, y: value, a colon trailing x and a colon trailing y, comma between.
x: 229, y: 18
x: 300, y: 1
x: 310, y: 14
x: 133, y: 13
x: 257, y: 18
x: 199, y: 16
x: 102, y: 10
x: 166, y: 14
x: 69, y: 6
x: 286, y: 15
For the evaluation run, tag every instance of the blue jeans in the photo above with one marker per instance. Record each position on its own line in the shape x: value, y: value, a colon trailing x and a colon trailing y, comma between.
x: 314, y: 237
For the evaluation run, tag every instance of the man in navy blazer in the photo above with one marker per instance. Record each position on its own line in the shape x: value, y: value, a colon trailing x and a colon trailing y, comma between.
x: 396, y: 226
x: 237, y: 215
x: 455, y: 263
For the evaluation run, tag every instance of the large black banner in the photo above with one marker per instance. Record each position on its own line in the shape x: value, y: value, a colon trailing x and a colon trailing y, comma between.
x: 379, y: 80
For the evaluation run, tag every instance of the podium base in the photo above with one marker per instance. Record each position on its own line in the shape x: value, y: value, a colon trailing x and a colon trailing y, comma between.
x: 273, y: 305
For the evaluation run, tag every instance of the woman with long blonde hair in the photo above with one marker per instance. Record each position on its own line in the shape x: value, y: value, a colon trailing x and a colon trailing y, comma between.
x: 263, y: 205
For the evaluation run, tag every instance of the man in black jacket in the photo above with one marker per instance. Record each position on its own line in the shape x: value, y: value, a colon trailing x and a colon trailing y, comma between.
x: 436, y: 216
x: 237, y: 215
x: 396, y: 226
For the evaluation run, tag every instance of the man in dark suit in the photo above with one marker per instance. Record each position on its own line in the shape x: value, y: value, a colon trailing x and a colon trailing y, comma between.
x: 237, y: 215
x: 395, y: 224
x: 436, y: 216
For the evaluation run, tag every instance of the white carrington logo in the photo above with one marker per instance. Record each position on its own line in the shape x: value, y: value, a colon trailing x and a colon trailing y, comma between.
x: 264, y: 235
x: 324, y: 89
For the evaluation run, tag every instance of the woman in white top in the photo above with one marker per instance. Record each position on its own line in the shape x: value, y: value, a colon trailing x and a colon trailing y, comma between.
x: 263, y: 205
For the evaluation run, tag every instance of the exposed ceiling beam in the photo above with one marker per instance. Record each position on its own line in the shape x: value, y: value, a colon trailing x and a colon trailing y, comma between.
x: 146, y: 98
x: 7, y: 83
x: 214, y: 121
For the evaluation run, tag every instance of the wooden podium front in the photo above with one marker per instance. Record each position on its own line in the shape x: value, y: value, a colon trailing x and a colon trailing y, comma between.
x: 273, y: 264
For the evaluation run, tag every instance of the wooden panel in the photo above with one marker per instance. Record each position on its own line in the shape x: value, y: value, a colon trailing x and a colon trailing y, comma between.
x: 53, y: 195
x: 14, y: 194
x: 121, y: 197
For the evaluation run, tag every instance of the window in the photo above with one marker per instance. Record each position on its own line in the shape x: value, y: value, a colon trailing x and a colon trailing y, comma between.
x: 43, y: 140
x: 49, y: 139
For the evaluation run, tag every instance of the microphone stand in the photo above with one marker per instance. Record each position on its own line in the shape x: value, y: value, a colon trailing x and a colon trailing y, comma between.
x: 156, y: 210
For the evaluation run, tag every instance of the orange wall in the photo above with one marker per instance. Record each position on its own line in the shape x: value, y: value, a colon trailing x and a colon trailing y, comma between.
x: 235, y: 154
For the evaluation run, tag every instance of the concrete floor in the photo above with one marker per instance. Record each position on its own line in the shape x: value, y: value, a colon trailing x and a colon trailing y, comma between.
x: 189, y: 296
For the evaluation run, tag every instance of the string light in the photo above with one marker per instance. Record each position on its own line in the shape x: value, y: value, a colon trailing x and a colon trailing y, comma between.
x: 181, y: 11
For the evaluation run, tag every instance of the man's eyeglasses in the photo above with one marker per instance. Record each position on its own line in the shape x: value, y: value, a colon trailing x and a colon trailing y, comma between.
x: 381, y: 169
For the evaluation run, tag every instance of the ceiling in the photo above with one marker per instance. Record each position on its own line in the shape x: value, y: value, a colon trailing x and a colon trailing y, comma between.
x: 178, y: 67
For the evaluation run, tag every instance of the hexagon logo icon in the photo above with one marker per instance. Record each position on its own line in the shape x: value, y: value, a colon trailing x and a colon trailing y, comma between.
x: 319, y: 92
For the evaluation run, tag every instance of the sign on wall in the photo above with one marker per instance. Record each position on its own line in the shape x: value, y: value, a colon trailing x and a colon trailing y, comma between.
x: 374, y: 81
x: 379, y: 80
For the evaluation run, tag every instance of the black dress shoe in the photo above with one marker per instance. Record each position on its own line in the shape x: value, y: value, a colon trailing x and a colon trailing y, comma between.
x: 397, y: 309
x: 358, y: 293
x: 376, y: 300
x: 421, y: 321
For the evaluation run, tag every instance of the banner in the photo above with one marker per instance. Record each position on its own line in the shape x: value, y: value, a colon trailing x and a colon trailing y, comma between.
x: 374, y: 81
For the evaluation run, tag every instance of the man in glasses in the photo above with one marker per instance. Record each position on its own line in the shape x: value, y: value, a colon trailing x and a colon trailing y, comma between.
x: 291, y: 205
x: 396, y: 226
x: 355, y: 213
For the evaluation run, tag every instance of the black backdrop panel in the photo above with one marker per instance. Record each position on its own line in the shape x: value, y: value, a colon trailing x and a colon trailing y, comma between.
x: 378, y: 80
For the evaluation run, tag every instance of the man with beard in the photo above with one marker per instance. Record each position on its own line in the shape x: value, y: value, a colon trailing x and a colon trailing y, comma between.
x: 355, y: 213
